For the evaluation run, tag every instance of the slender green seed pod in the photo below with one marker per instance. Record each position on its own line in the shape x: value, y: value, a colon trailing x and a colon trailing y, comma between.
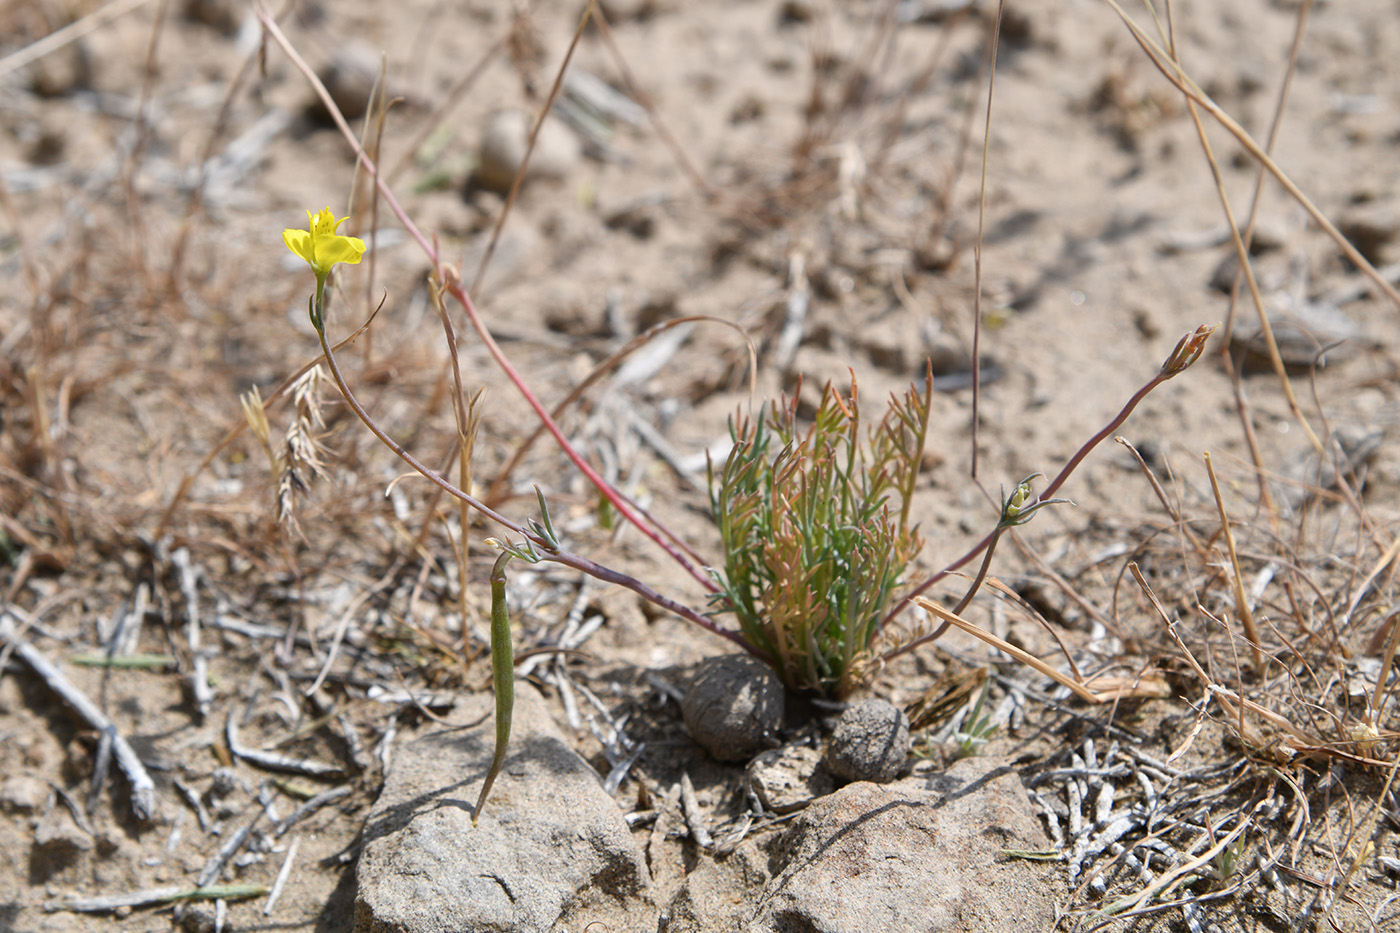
x: 502, y: 673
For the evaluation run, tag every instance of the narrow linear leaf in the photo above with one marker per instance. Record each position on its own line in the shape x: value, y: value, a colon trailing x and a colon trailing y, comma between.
x: 502, y: 673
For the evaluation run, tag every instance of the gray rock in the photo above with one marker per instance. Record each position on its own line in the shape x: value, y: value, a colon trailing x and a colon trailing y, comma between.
x: 733, y: 706
x: 60, y: 848
x: 921, y: 856
x: 789, y: 778
x: 1373, y: 228
x: 23, y: 793
x: 871, y: 743
x: 503, y: 143
x: 551, y: 849
x: 1301, y: 329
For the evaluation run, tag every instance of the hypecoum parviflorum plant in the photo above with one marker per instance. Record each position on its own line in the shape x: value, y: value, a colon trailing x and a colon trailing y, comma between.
x: 815, y: 522
x: 816, y: 531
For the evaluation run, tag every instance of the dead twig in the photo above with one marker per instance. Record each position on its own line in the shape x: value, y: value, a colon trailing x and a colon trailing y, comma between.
x: 273, y: 761
x: 143, y: 789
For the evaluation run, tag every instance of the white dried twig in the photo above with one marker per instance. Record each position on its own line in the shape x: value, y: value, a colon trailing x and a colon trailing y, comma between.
x: 274, y: 761
x: 311, y: 806
x: 694, y: 817
x: 143, y: 789
x: 198, y: 678
x: 283, y: 874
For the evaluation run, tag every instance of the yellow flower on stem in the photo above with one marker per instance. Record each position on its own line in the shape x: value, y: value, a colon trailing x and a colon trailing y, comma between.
x: 322, y: 248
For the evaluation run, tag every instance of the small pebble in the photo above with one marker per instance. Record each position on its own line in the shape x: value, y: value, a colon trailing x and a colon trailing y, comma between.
x: 789, y: 778
x: 503, y: 143
x: 23, y: 794
x: 871, y: 743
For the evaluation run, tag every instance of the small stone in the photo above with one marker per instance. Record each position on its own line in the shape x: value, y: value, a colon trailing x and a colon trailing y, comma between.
x: 734, y: 707
x: 789, y: 778
x: 349, y: 78
x: 1373, y: 228
x: 871, y: 743
x: 59, y: 846
x: 220, y: 15
x: 503, y: 144
x: 23, y: 794
x: 198, y: 918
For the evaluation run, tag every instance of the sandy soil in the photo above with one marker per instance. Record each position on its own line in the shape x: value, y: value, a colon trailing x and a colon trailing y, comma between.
x: 807, y: 155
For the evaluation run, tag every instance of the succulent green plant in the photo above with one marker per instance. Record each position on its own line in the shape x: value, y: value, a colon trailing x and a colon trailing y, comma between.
x: 816, y: 531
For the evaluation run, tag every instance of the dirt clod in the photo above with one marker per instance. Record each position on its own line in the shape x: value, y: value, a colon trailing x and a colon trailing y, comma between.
x: 733, y: 707
x: 871, y: 743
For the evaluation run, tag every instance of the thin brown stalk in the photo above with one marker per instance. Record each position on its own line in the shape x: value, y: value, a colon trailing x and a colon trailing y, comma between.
x: 1184, y: 83
x: 1025, y: 657
x: 634, y: 89
x: 1246, y: 269
x: 451, y: 98
x: 1242, y: 607
x: 233, y: 433
x: 1187, y: 351
x: 497, y: 489
x: 977, y: 247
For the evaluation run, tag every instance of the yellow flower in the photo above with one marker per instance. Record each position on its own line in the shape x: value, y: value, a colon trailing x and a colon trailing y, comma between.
x: 321, y: 246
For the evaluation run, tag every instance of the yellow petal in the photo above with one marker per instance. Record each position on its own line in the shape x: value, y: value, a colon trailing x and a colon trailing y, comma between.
x: 299, y: 242
x: 331, y: 250
x: 323, y: 224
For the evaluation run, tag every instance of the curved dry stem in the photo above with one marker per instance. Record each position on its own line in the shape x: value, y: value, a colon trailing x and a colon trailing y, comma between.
x: 546, y: 550
x: 453, y: 286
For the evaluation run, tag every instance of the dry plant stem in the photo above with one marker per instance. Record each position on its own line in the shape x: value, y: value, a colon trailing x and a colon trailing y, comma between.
x: 1024, y: 657
x: 1247, y: 270
x: 1192, y: 342
x: 1228, y: 697
x: 283, y: 874
x: 450, y: 100
x: 466, y: 413
x: 1169, y: 880
x: 1236, y: 383
x: 567, y: 558
x: 143, y: 789
x: 1183, y: 82
x: 977, y: 254
x: 1366, y: 838
x: 273, y: 761
x: 237, y: 430
x: 195, y: 201
x: 138, y: 149
x: 1246, y: 614
x: 1020, y: 600
x: 497, y: 491
x: 519, y: 178
x: 379, y: 107
x: 454, y: 288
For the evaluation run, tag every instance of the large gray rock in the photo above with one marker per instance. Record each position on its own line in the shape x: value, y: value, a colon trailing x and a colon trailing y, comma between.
x: 922, y: 855
x: 551, y: 849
